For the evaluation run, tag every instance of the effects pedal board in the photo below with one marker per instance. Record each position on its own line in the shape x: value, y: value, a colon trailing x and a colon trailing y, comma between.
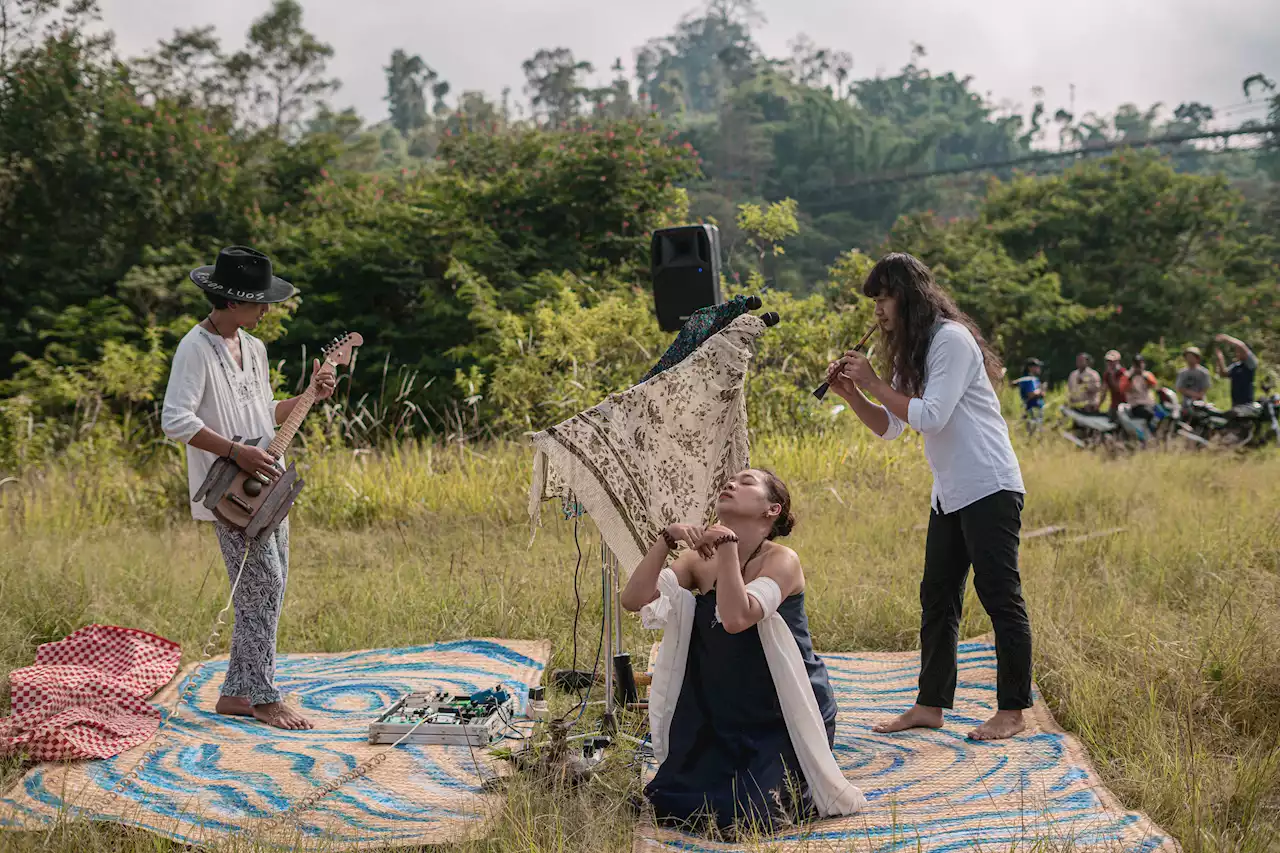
x: 444, y: 719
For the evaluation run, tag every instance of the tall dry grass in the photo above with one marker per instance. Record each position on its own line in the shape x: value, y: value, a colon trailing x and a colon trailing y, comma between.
x: 1158, y: 646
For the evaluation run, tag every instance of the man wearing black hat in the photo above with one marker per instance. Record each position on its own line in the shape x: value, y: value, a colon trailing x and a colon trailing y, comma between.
x: 219, y: 387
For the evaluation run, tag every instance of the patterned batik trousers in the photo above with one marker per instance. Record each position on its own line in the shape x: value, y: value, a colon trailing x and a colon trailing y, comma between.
x: 251, y: 673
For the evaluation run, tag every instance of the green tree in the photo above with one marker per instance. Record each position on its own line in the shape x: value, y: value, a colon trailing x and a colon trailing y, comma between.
x: 94, y: 177
x: 616, y: 101
x: 1019, y: 305
x: 1271, y: 156
x: 1153, y: 253
x: 407, y: 80
x: 189, y: 70
x: 26, y: 23
x: 694, y: 68
x: 280, y: 73
x: 415, y: 257
x: 958, y: 123
x: 554, y: 85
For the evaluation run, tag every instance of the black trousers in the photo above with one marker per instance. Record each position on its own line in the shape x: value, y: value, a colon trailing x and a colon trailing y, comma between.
x: 983, y: 534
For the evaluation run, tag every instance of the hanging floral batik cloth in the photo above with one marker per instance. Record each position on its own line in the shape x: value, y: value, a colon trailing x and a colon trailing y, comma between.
x: 658, y: 453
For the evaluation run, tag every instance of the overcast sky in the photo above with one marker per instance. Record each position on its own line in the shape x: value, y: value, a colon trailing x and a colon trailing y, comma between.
x: 1113, y: 51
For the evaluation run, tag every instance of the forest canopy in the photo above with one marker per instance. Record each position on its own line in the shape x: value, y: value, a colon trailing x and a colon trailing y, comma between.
x: 473, y: 238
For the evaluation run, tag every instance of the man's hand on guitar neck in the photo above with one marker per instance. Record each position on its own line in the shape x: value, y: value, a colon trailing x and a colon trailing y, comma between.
x: 325, y: 378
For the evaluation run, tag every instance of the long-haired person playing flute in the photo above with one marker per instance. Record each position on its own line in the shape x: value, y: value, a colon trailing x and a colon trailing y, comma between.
x: 944, y: 378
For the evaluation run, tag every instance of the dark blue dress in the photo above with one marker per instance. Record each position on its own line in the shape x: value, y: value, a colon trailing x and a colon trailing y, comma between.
x: 730, y: 759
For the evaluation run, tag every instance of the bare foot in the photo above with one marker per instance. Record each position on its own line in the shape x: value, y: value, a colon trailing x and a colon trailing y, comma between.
x: 1004, y: 724
x: 234, y: 706
x: 918, y: 717
x: 281, y: 716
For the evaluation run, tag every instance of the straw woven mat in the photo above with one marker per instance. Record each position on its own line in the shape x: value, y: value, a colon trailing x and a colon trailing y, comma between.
x: 216, y: 776
x: 936, y: 791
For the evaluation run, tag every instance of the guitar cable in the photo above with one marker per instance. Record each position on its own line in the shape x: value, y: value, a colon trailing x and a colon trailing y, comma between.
x: 206, y: 654
x: 160, y: 737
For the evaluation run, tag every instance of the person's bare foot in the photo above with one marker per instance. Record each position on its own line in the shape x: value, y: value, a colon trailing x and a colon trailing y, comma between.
x: 234, y: 706
x: 281, y: 716
x: 918, y: 717
x: 1004, y: 724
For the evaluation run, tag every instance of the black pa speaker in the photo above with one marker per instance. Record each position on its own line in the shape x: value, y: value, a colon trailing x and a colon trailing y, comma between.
x: 685, y: 264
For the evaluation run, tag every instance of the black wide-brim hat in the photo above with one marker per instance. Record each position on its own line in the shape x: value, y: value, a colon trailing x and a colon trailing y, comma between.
x: 243, y: 275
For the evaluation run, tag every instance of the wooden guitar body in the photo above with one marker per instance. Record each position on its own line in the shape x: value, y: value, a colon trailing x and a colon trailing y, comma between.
x: 256, y: 507
x: 243, y: 501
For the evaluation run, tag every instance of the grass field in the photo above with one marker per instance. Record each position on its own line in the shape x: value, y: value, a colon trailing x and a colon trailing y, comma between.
x: 1158, y: 646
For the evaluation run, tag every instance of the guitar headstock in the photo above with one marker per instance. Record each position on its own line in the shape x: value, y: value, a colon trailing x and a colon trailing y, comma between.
x: 338, y: 351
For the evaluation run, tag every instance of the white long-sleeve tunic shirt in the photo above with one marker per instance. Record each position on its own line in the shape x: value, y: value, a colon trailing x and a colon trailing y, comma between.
x: 207, y: 389
x: 966, y: 439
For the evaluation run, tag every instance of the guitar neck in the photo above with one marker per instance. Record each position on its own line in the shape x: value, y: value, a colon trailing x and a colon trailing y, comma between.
x: 284, y: 435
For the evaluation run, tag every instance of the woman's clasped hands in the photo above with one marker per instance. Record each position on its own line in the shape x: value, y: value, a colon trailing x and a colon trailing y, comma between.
x: 700, y: 539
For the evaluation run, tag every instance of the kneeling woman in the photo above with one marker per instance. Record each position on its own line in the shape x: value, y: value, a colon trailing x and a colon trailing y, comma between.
x: 741, y: 710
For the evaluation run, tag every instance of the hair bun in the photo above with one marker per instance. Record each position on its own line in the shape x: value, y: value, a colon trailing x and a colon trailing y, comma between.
x: 784, y: 525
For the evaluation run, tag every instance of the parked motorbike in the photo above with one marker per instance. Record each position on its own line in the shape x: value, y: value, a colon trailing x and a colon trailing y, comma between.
x: 1161, y: 426
x: 1253, y: 425
x: 1205, y: 420
x: 1093, y: 429
x: 1256, y: 424
x: 1089, y: 429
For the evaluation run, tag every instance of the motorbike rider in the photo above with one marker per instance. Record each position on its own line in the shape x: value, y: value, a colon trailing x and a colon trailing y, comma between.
x: 1139, y: 400
x: 1194, y: 380
x: 1141, y: 393
x: 1115, y: 379
x: 1084, y: 386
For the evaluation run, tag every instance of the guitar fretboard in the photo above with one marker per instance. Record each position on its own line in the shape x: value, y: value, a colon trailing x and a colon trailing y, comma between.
x: 284, y: 436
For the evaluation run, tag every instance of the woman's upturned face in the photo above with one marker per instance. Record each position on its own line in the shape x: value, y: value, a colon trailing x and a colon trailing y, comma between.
x: 745, y: 496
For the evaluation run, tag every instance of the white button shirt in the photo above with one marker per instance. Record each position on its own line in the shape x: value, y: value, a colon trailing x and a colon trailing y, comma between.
x: 966, y: 439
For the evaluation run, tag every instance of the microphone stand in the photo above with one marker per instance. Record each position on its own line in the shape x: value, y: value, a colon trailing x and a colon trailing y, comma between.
x: 617, y: 663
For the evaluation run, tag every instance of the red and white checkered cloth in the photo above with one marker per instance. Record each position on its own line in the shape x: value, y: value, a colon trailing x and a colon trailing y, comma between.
x: 86, y: 695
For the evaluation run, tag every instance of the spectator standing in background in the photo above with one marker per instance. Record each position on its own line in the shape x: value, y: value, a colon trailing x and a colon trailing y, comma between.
x: 1115, y: 379
x: 1141, y: 393
x: 1194, y: 380
x: 1084, y: 386
x: 1241, y: 372
x: 1032, y: 391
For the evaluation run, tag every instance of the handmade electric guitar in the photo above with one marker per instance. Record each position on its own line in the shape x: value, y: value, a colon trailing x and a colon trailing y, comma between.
x: 243, y: 501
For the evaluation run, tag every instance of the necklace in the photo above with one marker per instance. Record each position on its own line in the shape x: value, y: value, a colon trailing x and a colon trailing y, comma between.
x: 215, y: 327
x: 241, y: 389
